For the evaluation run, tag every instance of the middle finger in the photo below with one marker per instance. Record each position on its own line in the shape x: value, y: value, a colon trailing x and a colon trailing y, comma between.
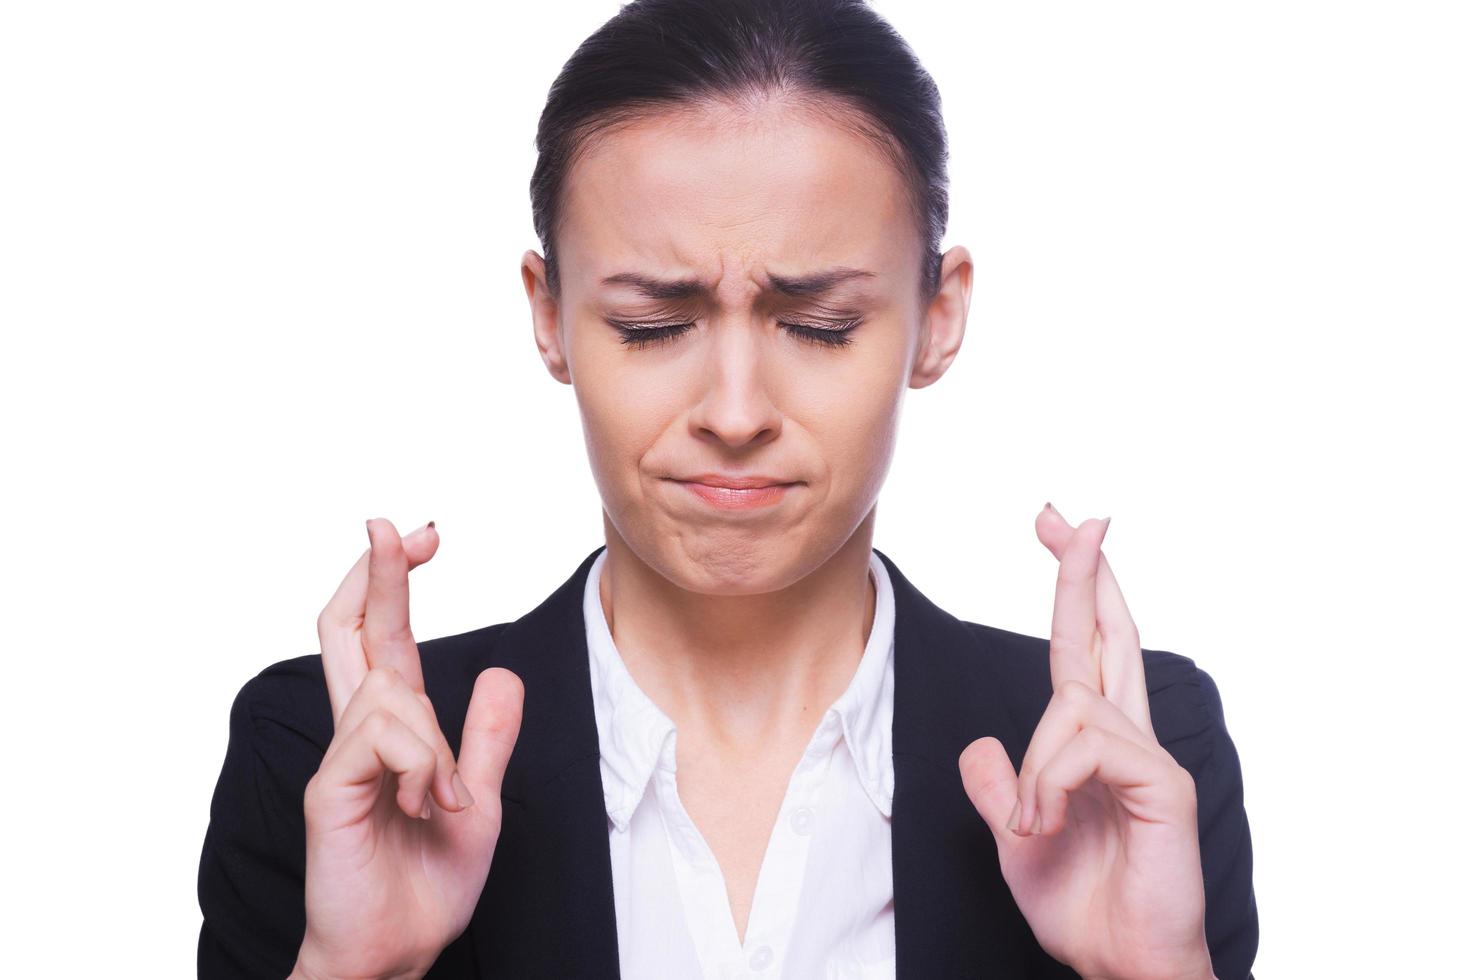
x: 1123, y: 680
x: 1074, y: 619
x: 386, y: 635
x: 339, y: 625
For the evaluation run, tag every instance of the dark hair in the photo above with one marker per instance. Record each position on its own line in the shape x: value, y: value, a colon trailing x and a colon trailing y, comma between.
x: 837, y: 56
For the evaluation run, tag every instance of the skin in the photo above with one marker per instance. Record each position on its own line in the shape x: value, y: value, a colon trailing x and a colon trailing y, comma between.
x: 743, y: 628
x: 1098, y: 833
x: 742, y: 631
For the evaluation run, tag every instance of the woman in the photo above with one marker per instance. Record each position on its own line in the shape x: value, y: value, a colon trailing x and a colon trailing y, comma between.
x: 737, y: 741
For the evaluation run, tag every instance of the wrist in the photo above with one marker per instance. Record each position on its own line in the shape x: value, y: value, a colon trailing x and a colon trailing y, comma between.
x: 1201, y: 965
x: 300, y: 973
x: 305, y: 968
x: 1201, y: 970
x: 308, y: 964
x: 309, y: 967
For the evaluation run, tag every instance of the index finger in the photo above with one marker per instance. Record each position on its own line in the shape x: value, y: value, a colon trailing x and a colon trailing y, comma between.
x: 1075, y: 653
x: 1123, y: 677
x: 339, y: 625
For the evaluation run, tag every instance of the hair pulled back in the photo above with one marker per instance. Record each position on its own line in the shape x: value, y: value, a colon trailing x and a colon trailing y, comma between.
x: 835, y: 56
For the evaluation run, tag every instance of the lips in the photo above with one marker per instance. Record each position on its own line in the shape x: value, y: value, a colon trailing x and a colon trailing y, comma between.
x: 738, y: 498
x: 737, y: 492
x: 731, y: 482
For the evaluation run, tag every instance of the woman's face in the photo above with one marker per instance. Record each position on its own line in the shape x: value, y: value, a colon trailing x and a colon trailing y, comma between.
x: 739, y: 206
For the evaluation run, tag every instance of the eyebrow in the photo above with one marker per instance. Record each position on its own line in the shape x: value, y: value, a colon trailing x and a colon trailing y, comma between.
x: 815, y: 284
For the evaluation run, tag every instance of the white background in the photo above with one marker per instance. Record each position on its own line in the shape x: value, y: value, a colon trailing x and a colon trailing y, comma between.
x: 258, y: 268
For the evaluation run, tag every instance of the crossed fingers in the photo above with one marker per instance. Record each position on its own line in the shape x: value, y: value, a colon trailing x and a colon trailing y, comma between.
x: 365, y: 624
x: 1097, y: 722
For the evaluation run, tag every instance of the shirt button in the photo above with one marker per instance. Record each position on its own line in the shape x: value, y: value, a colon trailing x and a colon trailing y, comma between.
x: 802, y: 820
x: 762, y: 958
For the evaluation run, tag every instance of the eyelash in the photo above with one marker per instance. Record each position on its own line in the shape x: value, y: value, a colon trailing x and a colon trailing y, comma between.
x: 639, y: 337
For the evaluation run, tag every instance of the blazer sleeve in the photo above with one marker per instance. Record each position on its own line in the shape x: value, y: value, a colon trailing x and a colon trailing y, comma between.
x: 251, y: 883
x: 1231, y: 920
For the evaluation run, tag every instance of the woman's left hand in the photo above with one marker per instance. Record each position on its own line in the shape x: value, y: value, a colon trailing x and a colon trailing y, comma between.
x: 1098, y: 835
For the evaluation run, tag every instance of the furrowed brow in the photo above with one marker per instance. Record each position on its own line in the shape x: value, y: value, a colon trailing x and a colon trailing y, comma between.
x: 818, y: 283
x: 654, y: 288
x: 815, y: 284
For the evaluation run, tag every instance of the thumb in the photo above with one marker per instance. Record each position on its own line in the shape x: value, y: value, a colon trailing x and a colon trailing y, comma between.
x: 491, y: 727
x: 991, y: 783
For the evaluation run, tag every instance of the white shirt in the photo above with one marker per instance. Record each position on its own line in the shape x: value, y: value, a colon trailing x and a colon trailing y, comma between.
x: 823, y: 903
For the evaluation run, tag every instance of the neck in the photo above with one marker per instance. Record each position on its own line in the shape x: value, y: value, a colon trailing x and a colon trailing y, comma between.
x: 746, y: 670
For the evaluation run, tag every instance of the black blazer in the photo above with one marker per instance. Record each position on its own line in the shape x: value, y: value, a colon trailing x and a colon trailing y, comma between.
x: 547, y: 910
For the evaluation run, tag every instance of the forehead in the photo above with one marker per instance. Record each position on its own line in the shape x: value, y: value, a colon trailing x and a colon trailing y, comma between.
x: 729, y: 194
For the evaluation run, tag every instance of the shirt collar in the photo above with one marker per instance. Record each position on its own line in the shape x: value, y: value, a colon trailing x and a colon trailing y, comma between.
x: 632, y: 731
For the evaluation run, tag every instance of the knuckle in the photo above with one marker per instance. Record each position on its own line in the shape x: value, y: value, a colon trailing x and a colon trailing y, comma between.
x: 326, y: 622
x: 1070, y: 573
x: 377, y: 722
x: 444, y: 757
x: 380, y: 680
x: 312, y: 801
x: 1092, y: 738
x: 1045, y: 783
x: 1123, y: 633
x: 399, y: 633
x: 425, y: 758
x: 428, y: 705
x: 1187, y: 788
x: 1065, y: 643
x: 1073, y: 693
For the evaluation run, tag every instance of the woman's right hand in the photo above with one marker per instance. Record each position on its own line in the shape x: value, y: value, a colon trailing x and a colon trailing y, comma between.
x: 399, y: 836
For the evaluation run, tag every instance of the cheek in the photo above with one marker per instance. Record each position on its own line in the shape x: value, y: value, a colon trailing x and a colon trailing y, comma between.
x: 621, y: 422
x: 869, y: 438
x: 860, y: 435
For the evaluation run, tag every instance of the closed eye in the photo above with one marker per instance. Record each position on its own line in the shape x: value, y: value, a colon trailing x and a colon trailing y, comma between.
x: 641, y: 335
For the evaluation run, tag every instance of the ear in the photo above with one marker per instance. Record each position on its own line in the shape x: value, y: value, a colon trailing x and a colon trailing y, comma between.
x: 942, y: 329
x: 545, y: 314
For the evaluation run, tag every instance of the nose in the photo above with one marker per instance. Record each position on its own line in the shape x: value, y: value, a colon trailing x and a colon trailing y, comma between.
x: 734, y: 403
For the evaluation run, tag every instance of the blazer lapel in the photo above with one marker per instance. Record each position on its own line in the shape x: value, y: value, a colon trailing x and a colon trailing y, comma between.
x: 953, y: 911
x: 547, y: 909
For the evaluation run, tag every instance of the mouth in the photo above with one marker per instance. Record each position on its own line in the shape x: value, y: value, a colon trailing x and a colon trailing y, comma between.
x: 754, y: 481
x: 736, y: 493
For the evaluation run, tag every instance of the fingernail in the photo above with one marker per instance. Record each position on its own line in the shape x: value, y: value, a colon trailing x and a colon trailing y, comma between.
x: 1014, y: 816
x: 1035, y: 828
x: 430, y: 523
x: 1048, y: 505
x: 462, y: 792
x: 426, y: 810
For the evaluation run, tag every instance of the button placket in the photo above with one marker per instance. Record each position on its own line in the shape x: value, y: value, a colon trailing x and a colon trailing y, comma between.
x: 783, y: 871
x: 813, y: 813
